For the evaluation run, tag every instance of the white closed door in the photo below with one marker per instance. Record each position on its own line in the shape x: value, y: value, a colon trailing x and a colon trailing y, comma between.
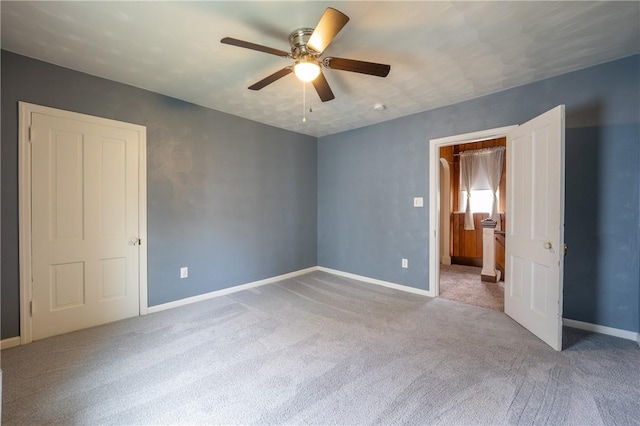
x: 84, y: 230
x: 535, y: 225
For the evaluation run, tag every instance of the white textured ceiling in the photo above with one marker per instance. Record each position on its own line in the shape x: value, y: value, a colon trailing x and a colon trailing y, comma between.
x: 440, y: 52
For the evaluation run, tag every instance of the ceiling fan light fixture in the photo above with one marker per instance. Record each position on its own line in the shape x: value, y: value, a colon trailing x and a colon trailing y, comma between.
x: 307, y: 46
x: 306, y: 70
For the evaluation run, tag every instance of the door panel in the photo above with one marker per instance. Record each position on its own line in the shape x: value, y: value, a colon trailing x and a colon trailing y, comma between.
x: 66, y: 180
x: 113, y: 279
x: 66, y: 284
x: 113, y: 182
x: 84, y: 212
x: 535, y: 225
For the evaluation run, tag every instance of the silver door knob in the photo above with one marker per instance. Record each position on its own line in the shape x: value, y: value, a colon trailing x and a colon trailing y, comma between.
x: 547, y: 245
x: 134, y: 241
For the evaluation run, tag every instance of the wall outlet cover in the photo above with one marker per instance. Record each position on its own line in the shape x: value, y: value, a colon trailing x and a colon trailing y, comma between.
x: 405, y: 263
x: 418, y: 202
x: 184, y: 272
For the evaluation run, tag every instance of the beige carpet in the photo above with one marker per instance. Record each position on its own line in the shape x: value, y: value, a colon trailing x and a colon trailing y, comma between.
x: 463, y: 284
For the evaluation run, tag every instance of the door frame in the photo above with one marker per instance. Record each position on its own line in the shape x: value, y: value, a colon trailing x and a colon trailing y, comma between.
x: 24, y: 205
x: 434, y: 194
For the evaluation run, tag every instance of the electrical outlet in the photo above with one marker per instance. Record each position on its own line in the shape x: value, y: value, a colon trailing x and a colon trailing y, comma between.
x: 405, y: 263
x: 418, y: 202
x: 184, y: 272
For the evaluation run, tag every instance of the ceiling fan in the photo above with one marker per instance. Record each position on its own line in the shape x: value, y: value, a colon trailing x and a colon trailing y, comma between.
x: 307, y: 44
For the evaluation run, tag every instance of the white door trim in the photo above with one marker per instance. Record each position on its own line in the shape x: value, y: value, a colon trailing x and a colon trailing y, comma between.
x: 434, y: 194
x: 445, y: 212
x: 24, y: 205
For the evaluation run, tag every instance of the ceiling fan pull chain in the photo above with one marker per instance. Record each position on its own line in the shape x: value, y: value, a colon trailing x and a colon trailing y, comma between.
x: 304, y: 102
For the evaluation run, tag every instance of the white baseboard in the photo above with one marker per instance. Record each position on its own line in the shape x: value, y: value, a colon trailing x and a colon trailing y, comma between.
x: 375, y: 281
x: 225, y: 291
x: 11, y: 342
x: 616, y: 332
x: 610, y: 331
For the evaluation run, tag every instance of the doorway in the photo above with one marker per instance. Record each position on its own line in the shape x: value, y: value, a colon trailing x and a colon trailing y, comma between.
x: 464, y: 238
x: 434, y: 190
x: 535, y: 232
x: 82, y: 221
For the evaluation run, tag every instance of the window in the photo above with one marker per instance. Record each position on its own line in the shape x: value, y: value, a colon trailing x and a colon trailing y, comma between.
x: 481, y: 200
x: 480, y: 173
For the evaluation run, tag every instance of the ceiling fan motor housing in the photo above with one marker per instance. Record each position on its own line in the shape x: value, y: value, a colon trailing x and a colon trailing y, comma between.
x: 298, y: 41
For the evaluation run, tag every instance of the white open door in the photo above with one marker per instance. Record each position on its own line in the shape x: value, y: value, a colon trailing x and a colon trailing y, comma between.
x: 535, y: 225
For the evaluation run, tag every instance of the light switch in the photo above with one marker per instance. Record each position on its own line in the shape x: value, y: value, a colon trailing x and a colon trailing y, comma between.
x: 418, y: 202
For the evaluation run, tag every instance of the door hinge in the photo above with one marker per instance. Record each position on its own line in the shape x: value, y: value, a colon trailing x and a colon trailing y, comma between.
x: 29, y: 135
x: 565, y: 249
x: 31, y: 308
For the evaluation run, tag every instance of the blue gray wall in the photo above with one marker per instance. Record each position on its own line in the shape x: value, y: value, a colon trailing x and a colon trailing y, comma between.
x: 236, y: 200
x: 367, y: 179
x: 232, y: 199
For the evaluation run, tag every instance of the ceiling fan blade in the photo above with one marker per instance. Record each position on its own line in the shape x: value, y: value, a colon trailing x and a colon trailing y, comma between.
x: 253, y: 46
x: 371, y: 68
x: 328, y: 27
x: 322, y: 87
x: 270, y: 79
